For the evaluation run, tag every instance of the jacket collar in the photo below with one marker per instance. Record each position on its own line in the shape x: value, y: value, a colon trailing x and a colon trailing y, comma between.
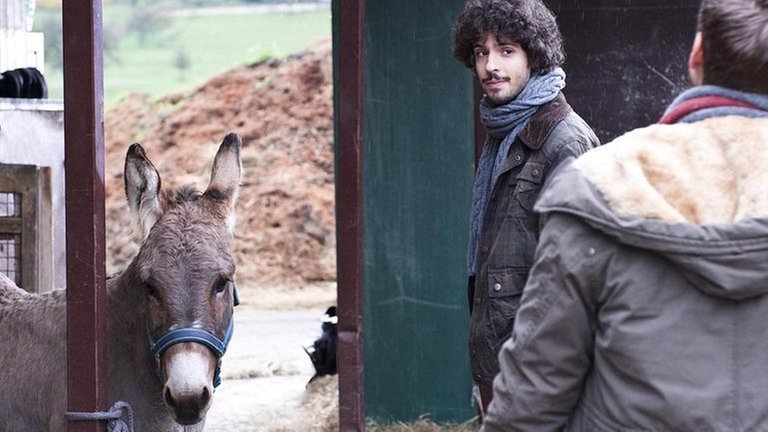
x: 536, y: 132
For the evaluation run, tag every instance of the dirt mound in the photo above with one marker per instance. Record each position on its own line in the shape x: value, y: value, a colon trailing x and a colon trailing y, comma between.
x: 283, y: 110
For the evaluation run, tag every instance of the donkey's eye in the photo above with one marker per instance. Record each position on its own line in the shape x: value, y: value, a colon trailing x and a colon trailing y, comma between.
x: 151, y: 290
x: 220, y: 285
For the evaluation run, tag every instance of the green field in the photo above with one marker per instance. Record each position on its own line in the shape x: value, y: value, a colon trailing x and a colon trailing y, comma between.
x: 211, y: 43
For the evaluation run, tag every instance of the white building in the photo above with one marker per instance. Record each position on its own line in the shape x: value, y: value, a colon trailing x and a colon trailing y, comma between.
x: 19, y: 46
x: 32, y: 212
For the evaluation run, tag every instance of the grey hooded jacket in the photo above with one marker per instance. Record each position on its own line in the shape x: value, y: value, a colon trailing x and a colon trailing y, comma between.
x: 646, y: 308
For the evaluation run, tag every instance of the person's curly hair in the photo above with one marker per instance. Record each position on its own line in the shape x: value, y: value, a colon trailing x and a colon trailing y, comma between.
x: 526, y: 22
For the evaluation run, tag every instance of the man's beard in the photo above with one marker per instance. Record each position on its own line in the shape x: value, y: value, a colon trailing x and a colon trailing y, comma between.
x: 501, y: 99
x: 509, y: 95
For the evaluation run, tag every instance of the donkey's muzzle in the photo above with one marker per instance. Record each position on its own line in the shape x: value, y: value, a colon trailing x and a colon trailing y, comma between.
x: 188, y: 388
x: 189, y: 406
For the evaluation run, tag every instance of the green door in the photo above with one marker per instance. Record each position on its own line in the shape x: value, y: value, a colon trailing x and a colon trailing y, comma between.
x: 418, y: 156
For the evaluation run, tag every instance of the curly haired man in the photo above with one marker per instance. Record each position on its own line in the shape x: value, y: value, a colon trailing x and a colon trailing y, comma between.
x: 515, y: 50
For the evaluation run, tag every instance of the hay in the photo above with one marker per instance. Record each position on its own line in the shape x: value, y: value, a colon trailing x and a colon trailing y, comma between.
x: 318, y: 411
x: 321, y: 402
x: 424, y: 425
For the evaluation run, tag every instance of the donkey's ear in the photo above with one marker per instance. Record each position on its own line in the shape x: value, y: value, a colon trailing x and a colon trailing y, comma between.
x: 226, y: 173
x: 142, y: 188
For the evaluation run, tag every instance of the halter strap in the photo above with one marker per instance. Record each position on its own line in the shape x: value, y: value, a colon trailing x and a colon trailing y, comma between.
x: 192, y: 334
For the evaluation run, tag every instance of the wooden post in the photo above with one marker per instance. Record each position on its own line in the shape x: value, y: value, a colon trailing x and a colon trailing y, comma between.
x: 348, y: 47
x: 84, y: 173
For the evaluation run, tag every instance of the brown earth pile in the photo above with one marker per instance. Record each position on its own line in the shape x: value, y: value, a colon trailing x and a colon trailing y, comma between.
x: 283, y: 110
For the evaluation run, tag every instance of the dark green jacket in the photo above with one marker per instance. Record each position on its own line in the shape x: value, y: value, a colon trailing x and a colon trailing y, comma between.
x: 511, y: 228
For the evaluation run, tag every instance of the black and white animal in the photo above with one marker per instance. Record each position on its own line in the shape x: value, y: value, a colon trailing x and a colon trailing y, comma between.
x: 323, y: 351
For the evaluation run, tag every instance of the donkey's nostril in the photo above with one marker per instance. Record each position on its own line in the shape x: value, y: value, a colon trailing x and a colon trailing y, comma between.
x: 188, y: 406
x: 169, y: 398
x: 205, y: 397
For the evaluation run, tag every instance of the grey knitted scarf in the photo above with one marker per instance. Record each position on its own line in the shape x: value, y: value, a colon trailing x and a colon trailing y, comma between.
x: 503, y: 123
x: 758, y: 101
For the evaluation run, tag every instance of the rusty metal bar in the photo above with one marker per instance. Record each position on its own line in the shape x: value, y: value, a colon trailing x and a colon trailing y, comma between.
x: 84, y: 173
x: 349, y: 203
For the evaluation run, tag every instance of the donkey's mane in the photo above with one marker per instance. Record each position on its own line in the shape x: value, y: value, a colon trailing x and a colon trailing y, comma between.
x: 184, y: 194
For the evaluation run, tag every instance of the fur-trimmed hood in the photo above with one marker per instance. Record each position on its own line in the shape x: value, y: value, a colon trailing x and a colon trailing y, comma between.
x: 696, y: 193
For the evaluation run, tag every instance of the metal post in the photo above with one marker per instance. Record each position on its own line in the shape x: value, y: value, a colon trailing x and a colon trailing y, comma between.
x: 349, y: 201
x: 84, y: 173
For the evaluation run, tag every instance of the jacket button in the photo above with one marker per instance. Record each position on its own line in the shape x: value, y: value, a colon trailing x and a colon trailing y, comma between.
x: 535, y: 173
x: 518, y: 157
x: 497, y: 286
x: 484, y: 250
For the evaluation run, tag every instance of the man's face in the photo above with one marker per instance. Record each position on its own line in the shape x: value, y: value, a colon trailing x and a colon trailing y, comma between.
x: 502, y: 68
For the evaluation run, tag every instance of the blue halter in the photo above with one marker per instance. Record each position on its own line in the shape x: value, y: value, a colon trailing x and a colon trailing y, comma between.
x: 196, y: 335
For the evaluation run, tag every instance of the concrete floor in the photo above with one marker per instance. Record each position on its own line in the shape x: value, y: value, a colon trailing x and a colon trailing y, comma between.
x: 265, y: 369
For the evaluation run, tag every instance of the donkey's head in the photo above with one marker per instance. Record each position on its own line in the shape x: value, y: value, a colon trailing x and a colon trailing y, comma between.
x: 186, y: 271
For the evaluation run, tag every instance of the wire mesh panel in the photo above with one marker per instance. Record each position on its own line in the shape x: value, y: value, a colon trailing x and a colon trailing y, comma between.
x: 10, y: 256
x: 10, y: 204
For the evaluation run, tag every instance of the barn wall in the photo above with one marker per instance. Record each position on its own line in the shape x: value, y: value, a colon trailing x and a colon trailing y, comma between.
x: 32, y: 133
x: 18, y: 47
x: 16, y: 14
x: 418, y: 141
x: 627, y: 59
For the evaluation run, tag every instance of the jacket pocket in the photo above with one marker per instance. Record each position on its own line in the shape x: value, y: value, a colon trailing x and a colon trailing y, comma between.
x: 528, y: 185
x: 505, y: 287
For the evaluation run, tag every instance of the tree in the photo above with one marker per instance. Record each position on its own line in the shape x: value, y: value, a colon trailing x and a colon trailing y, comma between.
x: 112, y: 34
x: 146, y: 19
x: 181, y: 61
x: 52, y: 29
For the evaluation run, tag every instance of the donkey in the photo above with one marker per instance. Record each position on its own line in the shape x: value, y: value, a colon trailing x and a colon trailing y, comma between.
x: 169, y: 313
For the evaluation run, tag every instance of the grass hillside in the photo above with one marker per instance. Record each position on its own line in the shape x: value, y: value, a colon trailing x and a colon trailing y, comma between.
x: 184, y: 51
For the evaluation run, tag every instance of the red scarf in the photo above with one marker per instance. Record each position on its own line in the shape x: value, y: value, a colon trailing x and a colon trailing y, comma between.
x: 700, y: 103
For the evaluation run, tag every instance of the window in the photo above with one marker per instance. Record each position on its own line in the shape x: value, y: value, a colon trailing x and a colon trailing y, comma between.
x: 10, y: 204
x: 26, y: 224
x: 10, y: 256
x: 10, y: 240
